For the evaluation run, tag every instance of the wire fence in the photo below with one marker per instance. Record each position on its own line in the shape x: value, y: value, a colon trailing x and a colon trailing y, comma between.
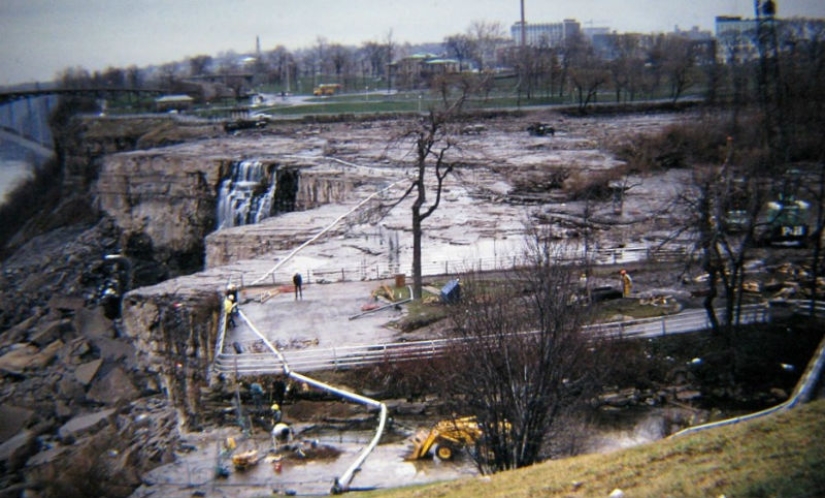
x: 385, y: 270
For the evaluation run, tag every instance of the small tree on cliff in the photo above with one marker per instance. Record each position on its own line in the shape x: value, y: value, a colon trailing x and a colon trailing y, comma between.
x: 432, y: 143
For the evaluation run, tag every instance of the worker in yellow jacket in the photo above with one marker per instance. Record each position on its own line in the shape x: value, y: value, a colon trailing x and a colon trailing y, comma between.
x: 627, y: 283
x: 230, y: 308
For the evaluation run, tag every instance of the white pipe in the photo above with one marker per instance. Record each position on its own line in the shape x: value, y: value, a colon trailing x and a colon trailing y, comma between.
x: 342, y: 483
x: 319, y: 234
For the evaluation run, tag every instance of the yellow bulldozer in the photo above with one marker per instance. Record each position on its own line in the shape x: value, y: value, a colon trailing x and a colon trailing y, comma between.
x: 445, y: 438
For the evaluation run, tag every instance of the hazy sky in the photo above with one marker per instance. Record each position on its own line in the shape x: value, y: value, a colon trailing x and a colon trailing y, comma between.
x: 38, y: 38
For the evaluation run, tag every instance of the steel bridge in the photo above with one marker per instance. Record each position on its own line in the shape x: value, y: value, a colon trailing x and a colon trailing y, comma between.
x: 96, y: 93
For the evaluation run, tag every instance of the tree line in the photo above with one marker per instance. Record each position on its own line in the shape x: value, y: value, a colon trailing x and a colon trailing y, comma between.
x: 612, y: 67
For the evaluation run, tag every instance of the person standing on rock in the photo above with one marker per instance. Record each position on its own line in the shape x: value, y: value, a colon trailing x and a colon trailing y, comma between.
x: 298, y: 282
x: 230, y: 308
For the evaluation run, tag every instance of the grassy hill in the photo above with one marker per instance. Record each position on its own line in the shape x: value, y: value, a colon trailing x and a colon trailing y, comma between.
x: 782, y: 455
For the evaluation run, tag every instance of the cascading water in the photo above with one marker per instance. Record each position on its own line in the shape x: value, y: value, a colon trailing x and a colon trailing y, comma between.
x: 245, y: 197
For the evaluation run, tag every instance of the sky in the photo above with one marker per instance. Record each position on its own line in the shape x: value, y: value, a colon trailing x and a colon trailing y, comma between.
x: 39, y: 38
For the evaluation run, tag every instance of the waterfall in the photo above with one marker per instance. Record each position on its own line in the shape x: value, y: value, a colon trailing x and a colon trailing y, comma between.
x: 245, y: 198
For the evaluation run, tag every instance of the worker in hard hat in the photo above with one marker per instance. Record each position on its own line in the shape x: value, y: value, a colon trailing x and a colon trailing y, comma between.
x: 230, y: 308
x: 281, y: 433
x: 627, y: 283
x: 232, y: 290
x: 276, y: 413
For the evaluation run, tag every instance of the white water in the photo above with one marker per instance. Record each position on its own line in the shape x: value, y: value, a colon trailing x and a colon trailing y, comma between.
x: 12, y: 172
x: 238, y: 202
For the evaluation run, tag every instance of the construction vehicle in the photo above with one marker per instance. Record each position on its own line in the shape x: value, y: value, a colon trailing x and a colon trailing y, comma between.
x: 541, y: 130
x: 326, y: 89
x: 243, y: 461
x: 448, y: 436
x: 445, y: 438
x: 787, y: 222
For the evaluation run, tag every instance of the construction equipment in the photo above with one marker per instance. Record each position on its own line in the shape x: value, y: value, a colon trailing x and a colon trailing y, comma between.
x: 244, y: 460
x: 446, y: 437
x: 787, y: 222
x: 541, y: 130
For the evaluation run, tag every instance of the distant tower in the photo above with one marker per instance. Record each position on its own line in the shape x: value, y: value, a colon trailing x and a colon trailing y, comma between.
x: 258, y: 47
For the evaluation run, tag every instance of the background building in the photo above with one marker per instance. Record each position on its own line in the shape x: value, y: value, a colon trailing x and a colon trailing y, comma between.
x: 546, y: 34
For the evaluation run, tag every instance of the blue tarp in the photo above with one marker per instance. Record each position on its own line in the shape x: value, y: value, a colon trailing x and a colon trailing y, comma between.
x: 451, y: 293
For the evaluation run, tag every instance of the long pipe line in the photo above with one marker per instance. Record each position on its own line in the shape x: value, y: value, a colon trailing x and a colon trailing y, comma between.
x: 341, y: 483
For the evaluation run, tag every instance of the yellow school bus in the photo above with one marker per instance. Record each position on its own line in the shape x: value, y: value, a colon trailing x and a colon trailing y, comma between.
x: 326, y: 89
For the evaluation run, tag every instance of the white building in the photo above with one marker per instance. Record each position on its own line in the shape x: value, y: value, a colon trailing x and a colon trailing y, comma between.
x: 545, y: 34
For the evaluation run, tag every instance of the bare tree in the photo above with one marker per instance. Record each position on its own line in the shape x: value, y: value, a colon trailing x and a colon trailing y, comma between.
x: 282, y: 67
x: 390, y: 47
x: 726, y: 204
x: 74, y: 77
x: 340, y: 57
x: 432, y: 146
x: 679, y: 65
x: 587, y: 74
x: 488, y: 37
x: 523, y: 360
x: 462, y: 47
x: 200, y: 65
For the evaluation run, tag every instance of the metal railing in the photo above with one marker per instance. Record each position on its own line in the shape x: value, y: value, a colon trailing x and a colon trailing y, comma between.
x: 364, y: 355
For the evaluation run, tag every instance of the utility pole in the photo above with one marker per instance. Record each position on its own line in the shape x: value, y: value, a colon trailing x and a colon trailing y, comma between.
x: 522, y: 56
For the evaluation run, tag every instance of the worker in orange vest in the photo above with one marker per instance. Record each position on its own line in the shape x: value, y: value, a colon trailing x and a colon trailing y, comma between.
x: 627, y: 283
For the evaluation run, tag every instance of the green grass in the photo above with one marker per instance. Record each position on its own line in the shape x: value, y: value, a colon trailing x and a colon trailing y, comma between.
x: 343, y: 107
x: 779, y: 455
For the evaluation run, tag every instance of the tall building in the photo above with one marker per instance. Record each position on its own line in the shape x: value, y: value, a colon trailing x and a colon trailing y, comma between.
x: 738, y: 38
x: 546, y: 34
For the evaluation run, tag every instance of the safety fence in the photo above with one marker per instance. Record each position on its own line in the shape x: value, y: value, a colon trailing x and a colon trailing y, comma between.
x: 359, y: 356
x: 501, y: 262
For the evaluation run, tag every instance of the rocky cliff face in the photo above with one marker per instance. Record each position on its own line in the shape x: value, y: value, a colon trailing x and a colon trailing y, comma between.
x: 81, y: 369
x: 163, y: 202
x: 174, y: 336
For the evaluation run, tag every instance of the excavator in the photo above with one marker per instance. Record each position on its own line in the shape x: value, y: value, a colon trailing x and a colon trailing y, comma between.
x: 448, y: 436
